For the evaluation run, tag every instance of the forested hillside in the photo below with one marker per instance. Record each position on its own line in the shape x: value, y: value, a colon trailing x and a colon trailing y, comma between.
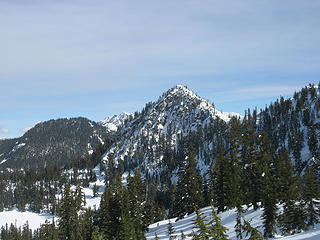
x: 52, y: 142
x: 177, y: 155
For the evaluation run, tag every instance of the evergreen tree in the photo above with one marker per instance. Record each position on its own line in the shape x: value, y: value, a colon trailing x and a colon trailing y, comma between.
x: 115, y: 203
x: 127, y: 231
x: 156, y: 236
x: 221, y: 175
x: 171, y: 231
x: 292, y: 220
x: 251, y: 169
x: 68, y: 214
x: 311, y: 196
x: 26, y: 232
x: 254, y: 233
x: 216, y: 230
x: 88, y: 224
x: 47, y: 231
x: 96, y: 235
x: 136, y: 194
x: 269, y: 200
x: 95, y: 190
x: 188, y: 192
x: 182, y: 236
x: 104, y: 221
x: 313, y: 141
x: 287, y: 186
x: 239, y: 225
x: 200, y: 227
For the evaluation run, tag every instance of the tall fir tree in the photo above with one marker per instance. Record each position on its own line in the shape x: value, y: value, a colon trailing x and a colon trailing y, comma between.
x: 220, y: 177
x: 311, y: 195
x: 253, y: 233
x: 188, y: 191
x: 269, y: 198
x: 136, y: 192
x: 171, y: 231
x: 216, y: 230
x: 68, y: 212
x: 103, y: 216
x: 200, y: 227
x: 293, y: 218
x: 239, y: 224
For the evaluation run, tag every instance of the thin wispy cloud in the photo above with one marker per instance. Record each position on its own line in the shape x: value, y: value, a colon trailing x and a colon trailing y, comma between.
x: 53, y: 50
x: 266, y: 91
x: 3, y: 130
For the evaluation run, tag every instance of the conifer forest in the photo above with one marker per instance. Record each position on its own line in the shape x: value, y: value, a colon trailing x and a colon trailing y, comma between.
x: 178, y: 156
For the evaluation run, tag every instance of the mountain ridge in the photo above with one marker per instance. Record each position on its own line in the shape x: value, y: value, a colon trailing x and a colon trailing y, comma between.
x: 53, y: 141
x: 151, y: 136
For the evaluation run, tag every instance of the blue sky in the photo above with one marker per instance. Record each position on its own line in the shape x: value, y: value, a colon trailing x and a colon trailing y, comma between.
x: 99, y: 58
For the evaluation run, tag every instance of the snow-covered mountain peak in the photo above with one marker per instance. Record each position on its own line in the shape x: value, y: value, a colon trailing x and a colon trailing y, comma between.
x: 180, y: 90
x: 181, y: 95
x: 176, y: 114
x: 112, y: 123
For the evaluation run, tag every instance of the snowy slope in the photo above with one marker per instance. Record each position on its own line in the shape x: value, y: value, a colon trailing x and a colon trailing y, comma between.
x: 143, y: 138
x: 293, y: 122
x: 53, y: 141
x: 19, y: 218
x: 228, y: 220
x: 114, y: 122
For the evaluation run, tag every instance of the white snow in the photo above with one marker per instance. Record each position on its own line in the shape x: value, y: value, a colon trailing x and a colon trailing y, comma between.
x: 94, y: 202
x: 175, y: 114
x: 25, y: 129
x: 228, y: 220
x: 3, y: 161
x: 19, y: 218
x: 112, y: 123
x: 18, y: 145
x: 91, y: 125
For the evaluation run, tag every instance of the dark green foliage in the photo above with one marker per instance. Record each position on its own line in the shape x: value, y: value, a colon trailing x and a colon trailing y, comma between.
x: 250, y: 164
x: 269, y: 199
x: 200, y: 227
x: 313, y: 141
x: 293, y: 218
x: 37, y: 188
x: 239, y: 225
x: 182, y: 236
x: 226, y: 181
x: 156, y: 236
x: 251, y: 169
x: 216, y: 230
x: 311, y: 196
x: 69, y: 222
x: 52, y: 142
x: 188, y: 192
x: 205, y: 230
x: 253, y: 233
x: 125, y: 212
x: 171, y: 231
x: 97, y: 235
x: 47, y: 231
x: 220, y: 175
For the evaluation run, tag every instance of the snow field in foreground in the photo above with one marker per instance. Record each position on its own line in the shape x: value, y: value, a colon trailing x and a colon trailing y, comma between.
x: 161, y: 228
x: 228, y: 220
x: 19, y: 218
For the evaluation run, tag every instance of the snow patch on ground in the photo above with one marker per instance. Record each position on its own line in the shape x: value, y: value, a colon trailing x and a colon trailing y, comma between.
x: 112, y: 123
x: 3, y: 161
x: 228, y: 220
x: 20, y: 218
